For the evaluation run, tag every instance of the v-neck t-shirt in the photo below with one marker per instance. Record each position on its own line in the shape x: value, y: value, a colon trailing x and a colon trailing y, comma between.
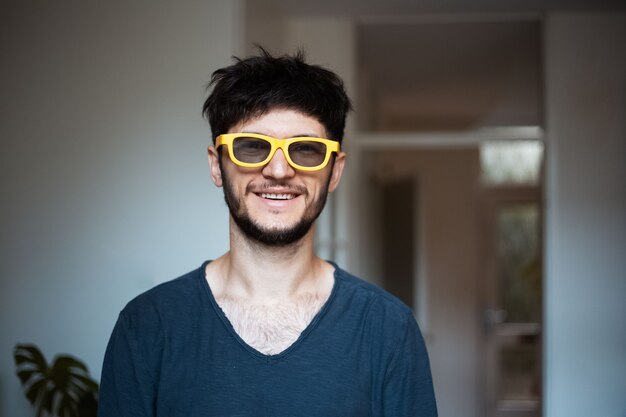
x: 173, y: 353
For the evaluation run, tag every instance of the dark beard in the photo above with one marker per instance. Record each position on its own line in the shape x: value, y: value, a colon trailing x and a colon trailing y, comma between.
x: 272, y: 237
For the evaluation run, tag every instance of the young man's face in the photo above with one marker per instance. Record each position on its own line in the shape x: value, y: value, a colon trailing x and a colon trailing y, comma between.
x: 276, y: 204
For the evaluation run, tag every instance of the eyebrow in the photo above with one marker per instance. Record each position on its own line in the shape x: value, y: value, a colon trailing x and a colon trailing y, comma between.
x: 303, y: 135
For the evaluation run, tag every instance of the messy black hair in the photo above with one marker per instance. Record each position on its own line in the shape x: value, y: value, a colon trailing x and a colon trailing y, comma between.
x: 258, y: 84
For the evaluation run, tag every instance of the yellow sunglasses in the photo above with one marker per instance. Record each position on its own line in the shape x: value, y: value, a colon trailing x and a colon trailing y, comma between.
x: 252, y: 150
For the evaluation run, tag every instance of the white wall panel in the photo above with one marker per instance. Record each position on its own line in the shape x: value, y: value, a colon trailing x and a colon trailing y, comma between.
x: 105, y: 185
x: 586, y: 215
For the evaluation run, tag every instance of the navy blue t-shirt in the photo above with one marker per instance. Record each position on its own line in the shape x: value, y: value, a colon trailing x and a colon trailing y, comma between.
x: 173, y: 353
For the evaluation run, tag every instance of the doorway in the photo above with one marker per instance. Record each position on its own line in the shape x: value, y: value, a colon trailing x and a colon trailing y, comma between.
x: 425, y: 112
x: 474, y: 268
x: 512, y: 316
x: 512, y: 279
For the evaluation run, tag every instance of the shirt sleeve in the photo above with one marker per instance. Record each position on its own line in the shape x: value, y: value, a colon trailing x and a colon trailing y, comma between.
x: 408, y: 388
x: 129, y: 383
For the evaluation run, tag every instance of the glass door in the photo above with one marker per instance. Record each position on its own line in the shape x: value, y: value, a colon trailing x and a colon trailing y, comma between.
x: 512, y: 314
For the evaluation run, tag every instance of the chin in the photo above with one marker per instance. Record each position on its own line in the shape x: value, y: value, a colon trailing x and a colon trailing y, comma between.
x: 273, y: 236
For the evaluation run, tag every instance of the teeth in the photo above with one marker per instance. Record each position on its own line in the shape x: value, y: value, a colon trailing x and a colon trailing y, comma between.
x: 278, y: 196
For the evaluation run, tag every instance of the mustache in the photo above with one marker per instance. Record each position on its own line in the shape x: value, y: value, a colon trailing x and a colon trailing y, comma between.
x: 295, y: 188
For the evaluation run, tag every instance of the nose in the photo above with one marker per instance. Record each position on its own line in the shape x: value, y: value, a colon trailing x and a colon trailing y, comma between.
x: 278, y: 167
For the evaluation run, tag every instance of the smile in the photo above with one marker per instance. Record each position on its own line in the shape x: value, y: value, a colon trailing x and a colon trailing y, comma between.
x: 278, y: 196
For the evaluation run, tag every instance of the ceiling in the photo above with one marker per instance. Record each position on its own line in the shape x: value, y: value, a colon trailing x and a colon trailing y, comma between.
x: 449, y: 75
x: 364, y: 8
x: 443, y: 64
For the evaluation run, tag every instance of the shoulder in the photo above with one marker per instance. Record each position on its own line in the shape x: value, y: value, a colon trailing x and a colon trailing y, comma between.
x: 380, y: 316
x: 146, y: 324
x: 166, y: 300
x: 373, y: 293
x: 380, y: 303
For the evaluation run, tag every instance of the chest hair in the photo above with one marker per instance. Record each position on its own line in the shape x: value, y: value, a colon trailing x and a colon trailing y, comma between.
x: 271, y: 328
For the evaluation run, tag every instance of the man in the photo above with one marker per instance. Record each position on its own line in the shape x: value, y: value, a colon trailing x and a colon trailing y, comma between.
x: 269, y: 329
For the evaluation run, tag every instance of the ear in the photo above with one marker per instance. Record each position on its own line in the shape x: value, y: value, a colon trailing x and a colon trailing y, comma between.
x: 214, y: 165
x: 335, y: 175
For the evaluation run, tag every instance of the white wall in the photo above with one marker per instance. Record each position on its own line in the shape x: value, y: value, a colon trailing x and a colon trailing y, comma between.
x: 585, y: 319
x: 104, y: 180
x: 264, y: 26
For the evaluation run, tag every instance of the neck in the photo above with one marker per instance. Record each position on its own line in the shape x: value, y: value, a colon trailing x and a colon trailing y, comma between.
x: 263, y: 273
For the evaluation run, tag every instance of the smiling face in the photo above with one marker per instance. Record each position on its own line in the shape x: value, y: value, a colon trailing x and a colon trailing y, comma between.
x: 275, y: 204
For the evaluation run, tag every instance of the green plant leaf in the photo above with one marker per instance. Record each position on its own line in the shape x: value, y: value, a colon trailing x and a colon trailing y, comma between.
x: 66, y: 407
x: 20, y: 358
x: 57, y: 389
x: 67, y: 362
x: 77, y: 390
x: 33, y: 355
x: 25, y: 375
x: 88, y: 405
x: 88, y: 383
x: 47, y: 400
x: 36, y: 390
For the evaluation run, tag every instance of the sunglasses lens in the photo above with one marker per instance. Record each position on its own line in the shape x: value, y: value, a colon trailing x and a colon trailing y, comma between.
x: 307, y: 153
x: 251, y: 150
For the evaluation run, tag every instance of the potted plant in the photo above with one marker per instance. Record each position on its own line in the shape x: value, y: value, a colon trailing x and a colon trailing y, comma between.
x: 62, y: 389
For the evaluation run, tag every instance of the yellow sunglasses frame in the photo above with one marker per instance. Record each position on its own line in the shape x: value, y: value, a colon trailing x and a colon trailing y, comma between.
x: 283, y: 144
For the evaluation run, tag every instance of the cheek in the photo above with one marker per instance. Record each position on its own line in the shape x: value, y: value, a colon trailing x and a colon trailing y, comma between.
x: 237, y: 182
x: 232, y: 189
x: 317, y: 189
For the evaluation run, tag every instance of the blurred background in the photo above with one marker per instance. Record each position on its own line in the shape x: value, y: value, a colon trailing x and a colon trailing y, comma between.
x: 486, y: 178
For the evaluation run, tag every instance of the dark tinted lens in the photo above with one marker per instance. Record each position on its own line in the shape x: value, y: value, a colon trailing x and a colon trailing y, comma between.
x: 307, y: 153
x: 251, y: 150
